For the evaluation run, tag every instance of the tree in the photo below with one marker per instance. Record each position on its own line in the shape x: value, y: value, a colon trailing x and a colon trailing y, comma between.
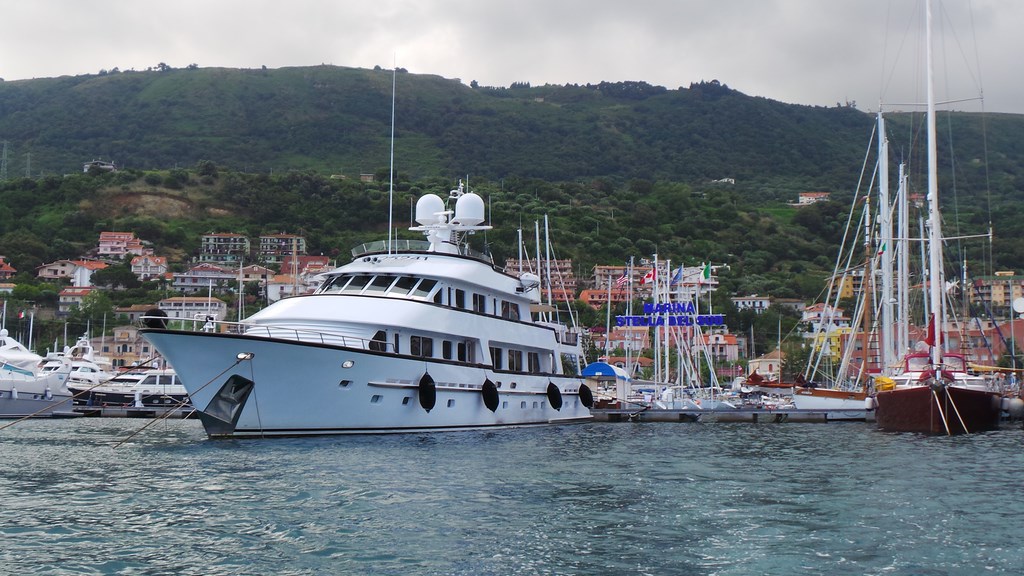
x: 118, y: 276
x: 95, y: 306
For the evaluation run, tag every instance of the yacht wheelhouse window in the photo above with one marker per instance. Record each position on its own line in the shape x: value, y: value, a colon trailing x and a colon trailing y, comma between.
x: 446, y: 349
x: 422, y: 290
x: 379, y: 284
x: 460, y: 351
x: 460, y: 298
x: 496, y: 357
x: 515, y: 360
x: 335, y: 284
x: 357, y: 283
x: 421, y: 346
x: 479, y: 303
x: 150, y: 380
x: 402, y: 286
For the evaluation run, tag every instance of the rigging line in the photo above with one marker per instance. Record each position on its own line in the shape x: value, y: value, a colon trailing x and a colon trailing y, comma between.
x: 957, y: 411
x: 938, y: 405
x: 165, y: 415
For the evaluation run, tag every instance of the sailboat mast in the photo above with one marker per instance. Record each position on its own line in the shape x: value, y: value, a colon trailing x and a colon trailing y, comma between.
x: 886, y: 334
x: 936, y: 280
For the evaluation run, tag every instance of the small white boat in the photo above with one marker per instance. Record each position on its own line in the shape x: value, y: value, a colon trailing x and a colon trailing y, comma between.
x: 136, y: 388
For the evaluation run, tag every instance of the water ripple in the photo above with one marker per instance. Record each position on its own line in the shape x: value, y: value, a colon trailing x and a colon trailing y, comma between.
x: 706, y: 499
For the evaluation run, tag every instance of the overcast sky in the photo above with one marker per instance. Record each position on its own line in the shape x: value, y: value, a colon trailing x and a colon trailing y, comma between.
x: 817, y: 52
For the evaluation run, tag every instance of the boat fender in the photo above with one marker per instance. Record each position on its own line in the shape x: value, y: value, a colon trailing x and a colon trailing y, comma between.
x: 489, y: 392
x: 586, y: 396
x: 427, y: 392
x: 156, y: 318
x: 869, y: 403
x: 1014, y: 407
x: 554, y: 396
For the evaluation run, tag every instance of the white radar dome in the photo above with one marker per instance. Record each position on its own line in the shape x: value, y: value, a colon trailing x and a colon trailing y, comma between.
x: 469, y: 210
x: 428, y: 209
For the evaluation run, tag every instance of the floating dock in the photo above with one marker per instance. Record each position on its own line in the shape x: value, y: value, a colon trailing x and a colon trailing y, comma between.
x: 134, y: 412
x: 755, y: 415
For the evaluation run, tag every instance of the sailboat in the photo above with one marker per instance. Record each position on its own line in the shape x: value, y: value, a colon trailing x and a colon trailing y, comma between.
x: 938, y: 398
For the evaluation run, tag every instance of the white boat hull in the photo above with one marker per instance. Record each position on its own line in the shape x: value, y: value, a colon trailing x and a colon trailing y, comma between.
x: 835, y: 404
x: 300, y: 388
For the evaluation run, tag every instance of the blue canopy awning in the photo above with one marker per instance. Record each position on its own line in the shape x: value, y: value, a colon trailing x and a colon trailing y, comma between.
x: 605, y: 371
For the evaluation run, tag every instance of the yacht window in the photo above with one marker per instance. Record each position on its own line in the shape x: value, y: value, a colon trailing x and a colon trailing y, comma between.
x: 402, y: 286
x: 446, y: 349
x: 379, y: 284
x: 533, y: 362
x: 460, y: 298
x: 496, y: 358
x: 421, y: 346
x: 335, y: 283
x: 423, y: 289
x: 461, y: 351
x: 515, y: 360
x: 509, y: 310
x: 479, y: 303
x: 357, y: 283
x: 149, y: 380
x: 396, y: 343
x: 379, y: 342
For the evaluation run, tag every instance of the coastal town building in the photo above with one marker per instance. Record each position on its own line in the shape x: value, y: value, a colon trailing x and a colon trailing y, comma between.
x: 203, y: 278
x: 274, y: 248
x: 193, y: 307
x: 753, y: 302
x: 78, y: 272
x: 71, y: 298
x: 555, y: 275
x: 223, y: 248
x: 117, y: 245
x: 149, y: 267
x: 6, y: 270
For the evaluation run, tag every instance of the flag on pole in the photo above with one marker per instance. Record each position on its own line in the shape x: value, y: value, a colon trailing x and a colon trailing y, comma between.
x: 21, y: 314
x: 677, y: 277
x: 649, y: 277
x: 705, y: 273
x: 622, y: 281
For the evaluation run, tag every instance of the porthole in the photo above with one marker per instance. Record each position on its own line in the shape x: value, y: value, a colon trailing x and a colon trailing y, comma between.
x: 344, y: 383
x: 348, y: 364
x: 451, y: 402
x: 375, y: 399
x: 405, y: 401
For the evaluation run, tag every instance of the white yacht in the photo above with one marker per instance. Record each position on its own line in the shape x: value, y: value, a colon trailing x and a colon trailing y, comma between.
x: 135, y: 387
x: 410, y: 336
x: 87, y: 369
x: 25, y: 389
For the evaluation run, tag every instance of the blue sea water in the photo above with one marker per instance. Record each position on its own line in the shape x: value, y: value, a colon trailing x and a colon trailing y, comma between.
x: 705, y: 498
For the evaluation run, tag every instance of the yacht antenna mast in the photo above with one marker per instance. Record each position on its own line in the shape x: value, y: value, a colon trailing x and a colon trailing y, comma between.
x: 391, y: 166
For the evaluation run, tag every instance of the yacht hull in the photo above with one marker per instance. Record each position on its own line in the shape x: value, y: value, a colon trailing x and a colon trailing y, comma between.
x: 937, y: 410
x: 837, y: 404
x: 259, y: 386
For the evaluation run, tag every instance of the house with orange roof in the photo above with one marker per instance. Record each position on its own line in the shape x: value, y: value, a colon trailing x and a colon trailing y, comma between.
x: 149, y: 267
x: 79, y: 272
x: 120, y: 244
x: 6, y: 270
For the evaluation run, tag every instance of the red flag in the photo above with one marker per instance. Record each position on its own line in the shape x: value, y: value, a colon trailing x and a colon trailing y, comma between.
x: 930, y: 337
x: 649, y: 277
